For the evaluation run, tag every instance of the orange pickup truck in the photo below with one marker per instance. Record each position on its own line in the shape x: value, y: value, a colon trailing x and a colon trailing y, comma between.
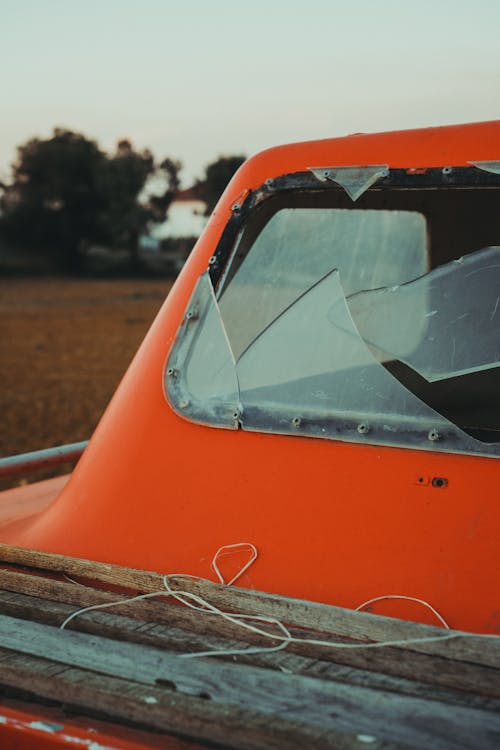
x: 321, y: 382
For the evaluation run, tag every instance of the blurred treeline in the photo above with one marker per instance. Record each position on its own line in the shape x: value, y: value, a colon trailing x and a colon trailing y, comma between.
x: 72, y: 208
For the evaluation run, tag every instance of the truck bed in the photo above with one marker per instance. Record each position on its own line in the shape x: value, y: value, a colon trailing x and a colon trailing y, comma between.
x: 126, y: 666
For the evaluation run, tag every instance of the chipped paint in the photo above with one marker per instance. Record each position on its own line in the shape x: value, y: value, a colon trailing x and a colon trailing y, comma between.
x: 90, y: 744
x: 46, y: 726
x: 54, y: 728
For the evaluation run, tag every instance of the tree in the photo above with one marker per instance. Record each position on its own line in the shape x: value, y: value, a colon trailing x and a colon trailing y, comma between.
x: 53, y: 201
x: 67, y: 194
x: 217, y: 176
x: 127, y: 211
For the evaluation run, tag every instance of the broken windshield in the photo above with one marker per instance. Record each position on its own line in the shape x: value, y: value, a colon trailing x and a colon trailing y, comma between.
x: 443, y: 324
x: 302, y: 364
x: 332, y: 322
x: 298, y: 247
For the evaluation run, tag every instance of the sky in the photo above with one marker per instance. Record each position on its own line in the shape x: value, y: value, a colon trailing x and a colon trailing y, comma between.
x: 194, y: 79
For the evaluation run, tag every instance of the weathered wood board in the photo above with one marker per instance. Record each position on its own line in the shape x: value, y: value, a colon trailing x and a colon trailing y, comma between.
x: 128, y: 663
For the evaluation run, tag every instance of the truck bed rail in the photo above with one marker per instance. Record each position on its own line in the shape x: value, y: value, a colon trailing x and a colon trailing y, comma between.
x: 22, y: 463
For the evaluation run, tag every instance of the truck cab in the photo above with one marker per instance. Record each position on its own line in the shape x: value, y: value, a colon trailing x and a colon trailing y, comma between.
x: 322, y: 383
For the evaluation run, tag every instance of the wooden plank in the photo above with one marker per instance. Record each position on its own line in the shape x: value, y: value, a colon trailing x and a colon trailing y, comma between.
x: 431, y: 669
x: 115, y: 626
x: 131, y: 578
x: 348, y: 623
x: 470, y: 683
x: 305, y: 701
x: 160, y: 709
x: 312, y: 615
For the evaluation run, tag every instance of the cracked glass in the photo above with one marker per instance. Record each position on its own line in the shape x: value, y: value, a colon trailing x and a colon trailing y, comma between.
x: 443, y: 325
x: 309, y: 362
x: 299, y: 246
x: 331, y: 323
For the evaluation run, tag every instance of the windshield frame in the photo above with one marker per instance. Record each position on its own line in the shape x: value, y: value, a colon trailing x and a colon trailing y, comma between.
x: 443, y: 436
x: 395, y: 179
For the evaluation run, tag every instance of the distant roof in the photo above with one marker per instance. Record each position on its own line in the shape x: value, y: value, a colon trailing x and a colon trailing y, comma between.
x: 189, y: 194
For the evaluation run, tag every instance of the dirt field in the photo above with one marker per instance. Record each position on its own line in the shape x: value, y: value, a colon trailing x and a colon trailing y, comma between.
x: 64, y: 346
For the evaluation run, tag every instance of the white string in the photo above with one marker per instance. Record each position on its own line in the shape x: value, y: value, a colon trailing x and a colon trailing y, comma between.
x: 408, y: 598
x: 238, y: 619
x: 109, y: 604
x: 221, y: 551
x: 205, y: 607
x: 199, y: 604
x: 288, y: 638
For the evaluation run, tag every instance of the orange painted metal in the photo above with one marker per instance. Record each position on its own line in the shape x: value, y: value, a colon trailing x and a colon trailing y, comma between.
x: 24, y: 726
x: 24, y: 501
x: 332, y: 522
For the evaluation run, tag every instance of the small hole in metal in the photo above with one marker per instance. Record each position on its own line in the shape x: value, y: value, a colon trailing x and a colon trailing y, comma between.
x: 212, y: 260
x: 439, y: 482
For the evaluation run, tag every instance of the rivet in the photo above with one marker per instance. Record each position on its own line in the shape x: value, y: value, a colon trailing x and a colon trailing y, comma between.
x: 433, y: 435
x: 236, y: 207
x: 447, y: 170
x: 184, y: 403
x: 363, y: 428
x: 296, y: 421
x: 212, y: 260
